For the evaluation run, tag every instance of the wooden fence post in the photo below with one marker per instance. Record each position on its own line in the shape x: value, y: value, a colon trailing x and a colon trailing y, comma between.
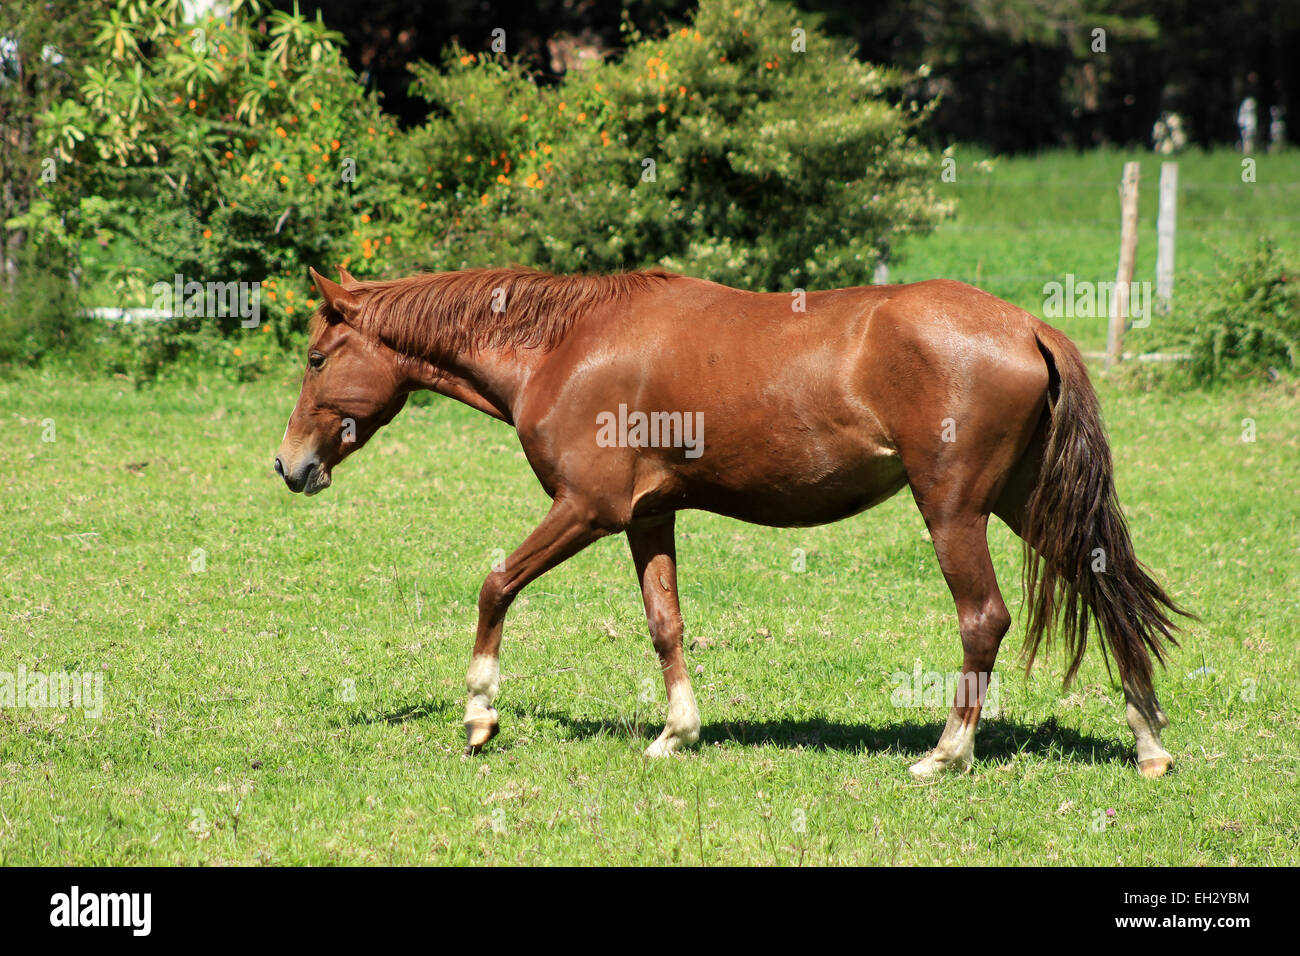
x: 1166, y: 225
x: 1124, y: 274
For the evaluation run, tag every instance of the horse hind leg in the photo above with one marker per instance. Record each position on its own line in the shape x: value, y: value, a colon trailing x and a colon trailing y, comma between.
x: 1142, y: 710
x: 962, y: 548
x: 1146, y: 720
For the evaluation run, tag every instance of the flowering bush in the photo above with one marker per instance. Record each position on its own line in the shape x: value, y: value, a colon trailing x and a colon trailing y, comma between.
x: 226, y: 152
x: 745, y: 147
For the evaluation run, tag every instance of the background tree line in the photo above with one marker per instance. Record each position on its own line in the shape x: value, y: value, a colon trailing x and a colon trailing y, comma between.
x: 1011, y: 75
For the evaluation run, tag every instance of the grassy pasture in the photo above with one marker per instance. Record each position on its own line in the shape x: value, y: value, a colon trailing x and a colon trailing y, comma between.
x: 1025, y: 222
x: 283, y: 678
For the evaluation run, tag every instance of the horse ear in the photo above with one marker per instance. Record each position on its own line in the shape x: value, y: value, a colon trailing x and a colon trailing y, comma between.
x: 345, y: 277
x: 339, y: 299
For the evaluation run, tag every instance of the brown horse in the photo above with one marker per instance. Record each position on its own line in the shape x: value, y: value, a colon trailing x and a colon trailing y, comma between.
x: 815, y: 408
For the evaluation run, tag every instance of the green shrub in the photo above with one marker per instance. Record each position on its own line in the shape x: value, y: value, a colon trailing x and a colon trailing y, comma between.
x: 148, y: 352
x: 1241, y: 324
x: 231, y: 152
x: 38, y: 312
x: 246, y: 150
x: 771, y: 168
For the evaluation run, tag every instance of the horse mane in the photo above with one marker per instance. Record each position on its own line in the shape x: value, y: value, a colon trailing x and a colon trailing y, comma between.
x: 445, y: 313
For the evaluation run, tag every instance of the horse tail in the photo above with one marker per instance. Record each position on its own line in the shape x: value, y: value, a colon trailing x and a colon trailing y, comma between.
x: 1079, y: 560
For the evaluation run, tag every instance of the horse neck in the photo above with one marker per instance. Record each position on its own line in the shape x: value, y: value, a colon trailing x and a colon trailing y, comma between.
x: 490, y: 380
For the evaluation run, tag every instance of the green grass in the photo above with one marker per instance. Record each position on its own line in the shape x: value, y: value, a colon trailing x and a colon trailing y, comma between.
x: 298, y: 699
x: 224, y: 694
x: 1030, y: 221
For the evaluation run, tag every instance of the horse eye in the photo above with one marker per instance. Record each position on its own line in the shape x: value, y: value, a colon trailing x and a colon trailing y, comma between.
x: 315, y: 360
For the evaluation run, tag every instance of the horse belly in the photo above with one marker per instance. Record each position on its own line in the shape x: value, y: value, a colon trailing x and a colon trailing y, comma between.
x: 779, y: 496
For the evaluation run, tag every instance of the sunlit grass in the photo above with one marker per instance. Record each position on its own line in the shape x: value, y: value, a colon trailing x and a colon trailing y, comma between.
x: 1031, y: 220
x: 283, y: 677
x: 298, y: 700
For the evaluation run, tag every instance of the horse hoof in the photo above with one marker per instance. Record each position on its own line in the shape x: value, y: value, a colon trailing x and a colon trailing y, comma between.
x: 661, y: 748
x: 933, y: 765
x: 478, y: 732
x: 1154, y: 767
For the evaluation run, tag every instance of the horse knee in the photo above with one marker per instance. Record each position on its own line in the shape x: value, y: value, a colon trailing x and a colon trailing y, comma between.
x: 495, y: 595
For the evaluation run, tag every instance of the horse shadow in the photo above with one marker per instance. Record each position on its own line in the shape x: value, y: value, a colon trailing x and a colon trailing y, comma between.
x: 999, y: 739
x: 427, y: 710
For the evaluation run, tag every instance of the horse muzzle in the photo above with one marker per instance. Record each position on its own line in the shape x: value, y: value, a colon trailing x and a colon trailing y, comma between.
x: 309, y: 477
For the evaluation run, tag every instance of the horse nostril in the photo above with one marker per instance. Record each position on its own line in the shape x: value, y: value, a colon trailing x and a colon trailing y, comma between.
x: 279, y: 466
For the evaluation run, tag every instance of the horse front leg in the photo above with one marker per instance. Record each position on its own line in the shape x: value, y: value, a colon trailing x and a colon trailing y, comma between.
x: 654, y: 552
x: 565, y: 531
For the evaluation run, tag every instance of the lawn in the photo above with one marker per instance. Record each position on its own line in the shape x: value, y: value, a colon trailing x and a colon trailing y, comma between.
x: 283, y: 678
x: 1023, y: 222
